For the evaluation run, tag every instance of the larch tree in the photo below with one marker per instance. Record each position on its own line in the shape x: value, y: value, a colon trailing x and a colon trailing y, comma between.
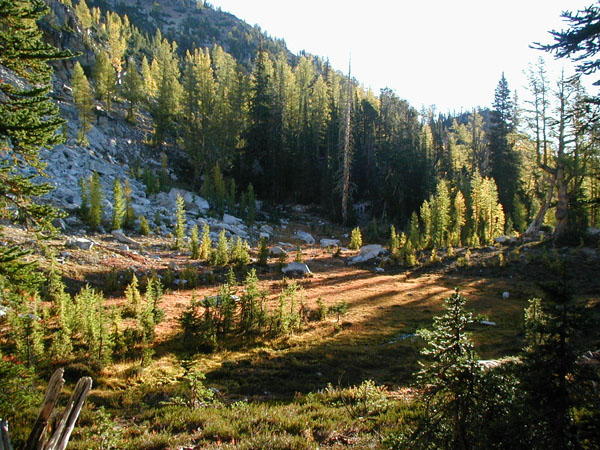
x: 165, y: 71
x: 29, y: 121
x: 84, y: 101
x: 198, y: 108
x: 133, y: 89
x: 83, y: 14
x: 104, y: 78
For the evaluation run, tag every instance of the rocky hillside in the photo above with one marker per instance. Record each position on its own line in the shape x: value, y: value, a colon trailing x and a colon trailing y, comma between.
x: 117, y: 149
x: 194, y: 23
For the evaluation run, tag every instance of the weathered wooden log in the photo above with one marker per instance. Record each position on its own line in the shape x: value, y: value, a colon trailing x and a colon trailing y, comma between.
x: 61, y: 435
x: 60, y: 438
x: 4, y: 438
x: 38, y: 435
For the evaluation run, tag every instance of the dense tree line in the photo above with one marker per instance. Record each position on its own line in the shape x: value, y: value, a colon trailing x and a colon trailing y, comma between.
x: 280, y: 126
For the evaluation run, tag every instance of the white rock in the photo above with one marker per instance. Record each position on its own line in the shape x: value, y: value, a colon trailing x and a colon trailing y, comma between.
x: 119, y: 236
x: 82, y: 243
x: 232, y: 220
x: 379, y: 269
x: 366, y: 253
x: 304, y: 236
x: 277, y: 251
x: 505, y: 295
x: 266, y: 229
x: 296, y: 268
x: 487, y: 322
x: 330, y: 243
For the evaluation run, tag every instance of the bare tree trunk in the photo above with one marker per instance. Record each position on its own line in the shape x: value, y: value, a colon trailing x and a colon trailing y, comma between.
x: 534, y: 228
x: 562, y: 206
x: 60, y: 437
x: 37, y: 437
x: 4, y: 438
x: 346, y: 154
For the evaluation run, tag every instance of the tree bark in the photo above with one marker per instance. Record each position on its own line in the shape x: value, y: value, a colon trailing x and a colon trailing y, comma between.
x: 534, y: 228
x: 37, y: 437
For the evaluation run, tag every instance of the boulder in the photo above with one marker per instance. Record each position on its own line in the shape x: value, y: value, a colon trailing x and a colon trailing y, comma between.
x: 501, y: 240
x: 277, y: 251
x: 593, y: 231
x: 81, y: 243
x: 232, y: 220
x: 304, y: 236
x: 366, y: 253
x: 296, y: 269
x: 266, y: 229
x: 330, y: 243
x: 120, y: 236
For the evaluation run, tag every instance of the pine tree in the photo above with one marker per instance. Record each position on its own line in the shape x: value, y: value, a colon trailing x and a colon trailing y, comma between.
x: 83, y: 14
x: 28, y: 121
x: 194, y: 242
x: 133, y: 89
x: 440, y: 212
x: 104, y: 78
x: 96, y: 197
x: 263, y: 252
x: 117, y: 32
x: 504, y: 159
x: 144, y: 227
x: 220, y: 256
x: 458, y: 219
x: 148, y: 81
x: 133, y: 296
x: 219, y: 190
x: 168, y: 94
x: 450, y: 376
x: 205, y: 244
x: 84, y: 188
x: 256, y: 165
x: 355, y: 239
x: 180, y: 223
x: 426, y: 218
x: 414, y: 235
x: 119, y: 206
x: 251, y: 205
x: 82, y: 95
x: 129, y: 212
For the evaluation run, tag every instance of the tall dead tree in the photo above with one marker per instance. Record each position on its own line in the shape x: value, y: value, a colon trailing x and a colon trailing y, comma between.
x: 553, y: 141
x: 345, y: 180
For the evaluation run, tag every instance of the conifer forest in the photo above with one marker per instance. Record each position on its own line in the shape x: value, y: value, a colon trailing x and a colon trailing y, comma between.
x: 211, y: 242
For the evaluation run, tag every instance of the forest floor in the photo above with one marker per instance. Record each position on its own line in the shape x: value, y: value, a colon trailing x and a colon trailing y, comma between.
x: 374, y: 339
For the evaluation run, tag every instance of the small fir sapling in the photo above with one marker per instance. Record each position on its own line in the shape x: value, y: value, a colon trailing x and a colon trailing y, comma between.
x: 356, y: 239
x: 195, y: 242
x: 119, y: 206
x: 263, y: 252
x: 180, y: 224
x: 205, y: 244
x: 144, y: 227
x: 96, y: 197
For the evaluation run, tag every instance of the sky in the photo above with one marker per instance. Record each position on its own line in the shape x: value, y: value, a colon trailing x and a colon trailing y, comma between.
x: 430, y: 52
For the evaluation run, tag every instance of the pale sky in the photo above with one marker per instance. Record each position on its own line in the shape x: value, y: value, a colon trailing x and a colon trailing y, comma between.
x: 442, y: 52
